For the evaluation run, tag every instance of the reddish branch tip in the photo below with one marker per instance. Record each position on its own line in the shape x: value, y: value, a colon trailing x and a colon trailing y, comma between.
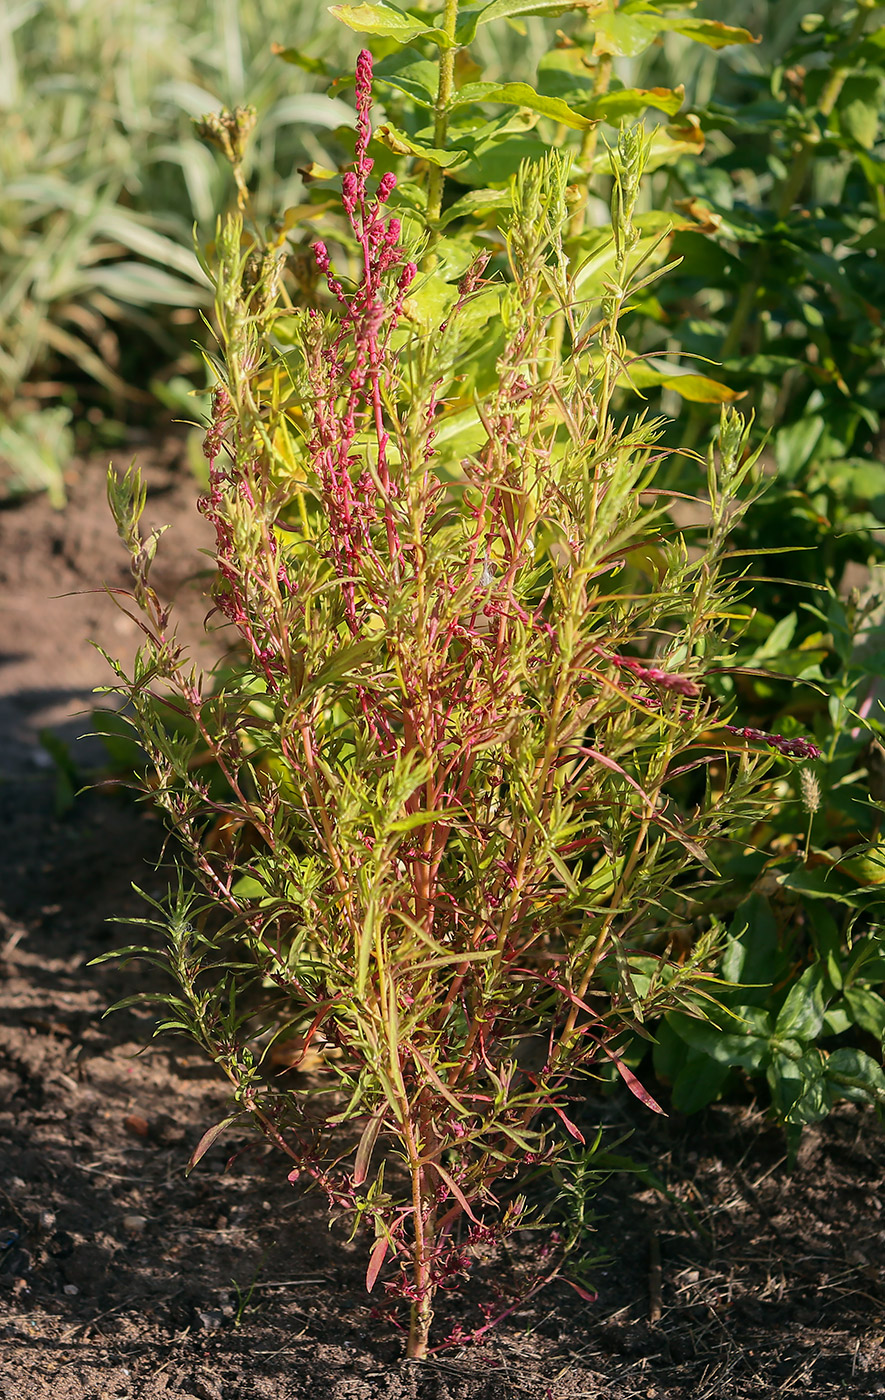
x: 790, y: 748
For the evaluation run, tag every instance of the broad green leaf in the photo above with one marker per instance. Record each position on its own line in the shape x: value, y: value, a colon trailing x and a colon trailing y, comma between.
x: 802, y: 1014
x: 388, y: 23
x: 628, y: 31
x: 698, y: 1084
x: 419, y: 78
x: 752, y: 951
x: 748, y: 1050
x: 799, y: 1088
x: 855, y: 1075
x: 867, y: 1010
x: 404, y: 145
x: 626, y: 35
x: 695, y: 388
x: 670, y: 1052
x: 522, y: 95
x: 859, y: 109
x: 628, y: 102
x: 830, y: 882
x: 476, y: 203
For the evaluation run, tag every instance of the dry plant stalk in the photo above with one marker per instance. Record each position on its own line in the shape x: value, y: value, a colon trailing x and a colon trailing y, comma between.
x: 447, y: 764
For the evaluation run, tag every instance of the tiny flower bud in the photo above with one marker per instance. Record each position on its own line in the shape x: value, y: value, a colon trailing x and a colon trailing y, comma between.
x: 385, y: 186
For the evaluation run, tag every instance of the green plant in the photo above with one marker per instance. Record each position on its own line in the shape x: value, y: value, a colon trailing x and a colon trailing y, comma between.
x: 446, y: 835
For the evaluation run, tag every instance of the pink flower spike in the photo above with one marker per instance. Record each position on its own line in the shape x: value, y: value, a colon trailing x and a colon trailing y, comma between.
x: 386, y: 185
x: 349, y: 191
x: 799, y: 747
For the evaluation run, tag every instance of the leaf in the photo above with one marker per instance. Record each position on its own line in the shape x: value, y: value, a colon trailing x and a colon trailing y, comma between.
x: 376, y: 1259
x: 628, y: 31
x: 388, y: 23
x: 747, y: 1050
x: 476, y: 203
x: 404, y: 145
x: 867, y: 1010
x: 802, y: 1014
x: 699, y: 1082
x: 519, y: 9
x: 301, y: 60
x: 208, y: 1138
x: 711, y: 32
x: 417, y: 77
x: 628, y: 102
x: 633, y: 1083
x: 365, y: 1149
x: 753, y: 956
x: 626, y: 35
x: 570, y: 1126
x: 799, y: 1089
x: 522, y: 95
x: 455, y: 1190
x: 695, y: 388
x: 855, y: 1075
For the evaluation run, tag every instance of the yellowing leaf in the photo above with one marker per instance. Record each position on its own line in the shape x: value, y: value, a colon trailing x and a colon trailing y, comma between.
x: 695, y: 388
x: 388, y: 23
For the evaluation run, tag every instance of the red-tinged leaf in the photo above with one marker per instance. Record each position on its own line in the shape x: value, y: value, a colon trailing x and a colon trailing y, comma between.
x: 366, y: 1148
x: 208, y: 1138
x: 581, y: 1292
x: 376, y: 1259
x: 633, y: 1084
x: 575, y: 1132
x: 616, y: 768
x: 455, y: 1190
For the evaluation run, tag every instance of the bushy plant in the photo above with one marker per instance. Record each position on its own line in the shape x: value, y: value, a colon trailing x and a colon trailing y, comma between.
x: 457, y: 817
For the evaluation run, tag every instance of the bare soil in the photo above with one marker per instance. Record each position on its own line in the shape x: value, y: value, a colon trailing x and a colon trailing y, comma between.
x: 120, y: 1276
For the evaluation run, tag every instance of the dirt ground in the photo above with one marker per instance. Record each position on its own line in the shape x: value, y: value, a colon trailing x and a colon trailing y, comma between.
x: 122, y: 1277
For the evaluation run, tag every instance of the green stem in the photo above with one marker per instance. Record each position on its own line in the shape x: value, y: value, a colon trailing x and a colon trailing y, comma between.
x: 441, y: 120
x: 601, y: 81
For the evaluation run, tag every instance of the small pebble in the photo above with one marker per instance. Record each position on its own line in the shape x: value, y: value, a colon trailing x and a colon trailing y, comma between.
x: 135, y: 1224
x: 71, y: 1289
x: 136, y: 1125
